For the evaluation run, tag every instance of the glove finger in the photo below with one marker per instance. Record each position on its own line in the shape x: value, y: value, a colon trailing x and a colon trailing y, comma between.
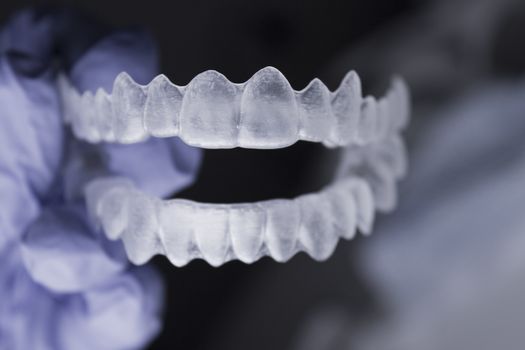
x: 28, y: 41
x: 31, y: 133
x: 61, y: 252
x: 122, y: 314
x: 159, y: 167
x: 25, y: 306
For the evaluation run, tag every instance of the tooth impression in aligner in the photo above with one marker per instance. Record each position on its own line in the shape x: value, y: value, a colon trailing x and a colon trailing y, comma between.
x: 113, y: 211
x: 281, y: 228
x: 162, y: 110
x: 211, y: 233
x: 317, y: 232
x: 176, y: 230
x: 316, y: 115
x: 346, y: 104
x: 212, y: 112
x: 269, y: 115
x: 128, y: 110
x: 246, y: 229
x: 140, y: 235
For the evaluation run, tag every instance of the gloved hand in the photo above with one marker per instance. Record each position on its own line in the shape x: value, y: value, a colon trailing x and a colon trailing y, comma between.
x: 63, y: 285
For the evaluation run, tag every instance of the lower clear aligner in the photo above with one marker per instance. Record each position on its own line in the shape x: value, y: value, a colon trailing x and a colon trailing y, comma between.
x: 212, y: 112
x: 184, y: 230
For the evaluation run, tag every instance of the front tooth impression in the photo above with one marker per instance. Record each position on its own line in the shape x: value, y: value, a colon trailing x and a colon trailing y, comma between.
x: 176, y: 219
x: 315, y: 111
x: 246, y: 225
x: 128, y: 109
x: 211, y: 233
x: 346, y: 105
x: 162, y: 111
x: 316, y: 231
x: 210, y: 112
x: 281, y: 228
x: 269, y: 115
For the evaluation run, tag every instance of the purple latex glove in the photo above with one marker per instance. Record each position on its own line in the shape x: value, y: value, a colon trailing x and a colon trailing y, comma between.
x: 63, y: 284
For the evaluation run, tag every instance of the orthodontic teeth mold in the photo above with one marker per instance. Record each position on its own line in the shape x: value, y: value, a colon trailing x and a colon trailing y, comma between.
x: 211, y: 112
x: 184, y: 230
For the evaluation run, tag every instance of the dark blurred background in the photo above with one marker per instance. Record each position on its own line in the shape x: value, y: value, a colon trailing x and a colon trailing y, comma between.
x: 262, y: 306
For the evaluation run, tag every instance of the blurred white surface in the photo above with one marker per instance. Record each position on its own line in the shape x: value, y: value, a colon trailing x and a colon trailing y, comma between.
x: 449, y: 265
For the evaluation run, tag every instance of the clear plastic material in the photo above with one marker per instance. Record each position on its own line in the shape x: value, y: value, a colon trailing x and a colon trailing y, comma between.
x: 265, y: 112
x: 184, y: 230
x: 212, y: 112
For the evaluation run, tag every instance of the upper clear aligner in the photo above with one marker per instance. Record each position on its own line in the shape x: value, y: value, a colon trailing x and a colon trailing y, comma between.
x: 212, y: 112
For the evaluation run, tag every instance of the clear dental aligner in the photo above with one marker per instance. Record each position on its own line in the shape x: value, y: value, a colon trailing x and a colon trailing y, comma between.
x: 184, y: 230
x: 212, y: 112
